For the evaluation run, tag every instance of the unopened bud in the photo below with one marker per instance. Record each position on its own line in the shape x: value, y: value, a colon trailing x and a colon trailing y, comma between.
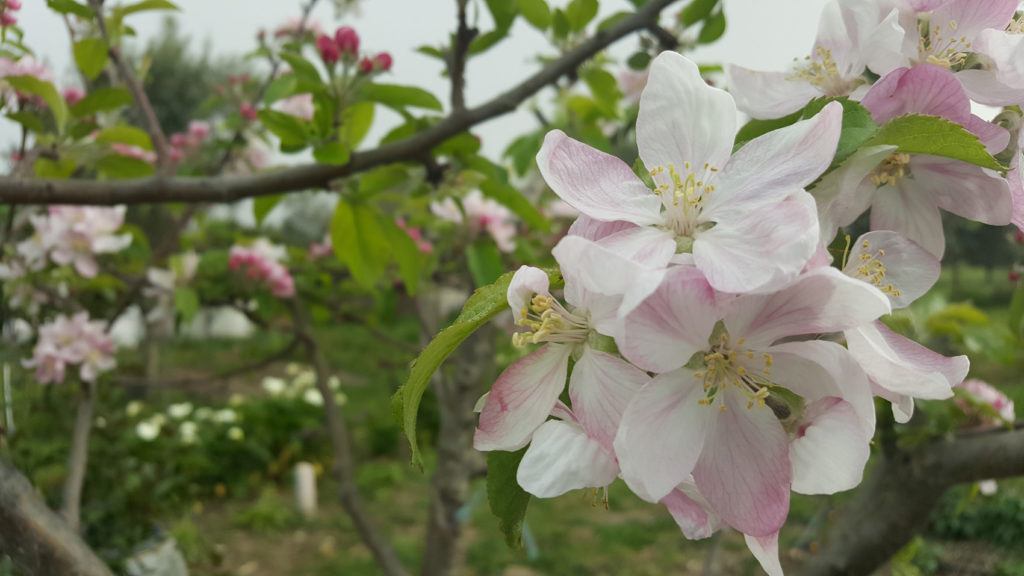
x: 247, y: 111
x: 328, y: 49
x: 383, y: 61
x: 347, y: 40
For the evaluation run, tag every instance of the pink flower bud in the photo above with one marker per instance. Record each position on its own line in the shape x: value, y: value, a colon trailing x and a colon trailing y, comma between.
x: 347, y: 40
x: 7, y: 19
x: 248, y: 112
x: 366, y: 66
x: 14, y: 4
x: 73, y: 95
x: 199, y: 129
x: 179, y: 140
x: 176, y: 154
x: 328, y: 49
x: 383, y: 61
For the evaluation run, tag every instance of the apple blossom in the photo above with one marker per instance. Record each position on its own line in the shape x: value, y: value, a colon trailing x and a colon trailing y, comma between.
x: 480, y: 214
x: 743, y: 219
x: 75, y: 340
x: 262, y: 261
x: 74, y: 235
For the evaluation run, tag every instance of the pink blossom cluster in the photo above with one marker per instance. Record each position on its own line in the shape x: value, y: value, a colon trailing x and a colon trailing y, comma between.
x: 985, y: 393
x: 68, y: 341
x: 480, y: 214
x: 717, y: 359
x: 74, y: 235
x: 344, y: 47
x: 262, y: 261
x: 7, y: 9
x: 132, y: 151
x: 185, y: 143
x: 293, y: 25
x: 26, y: 66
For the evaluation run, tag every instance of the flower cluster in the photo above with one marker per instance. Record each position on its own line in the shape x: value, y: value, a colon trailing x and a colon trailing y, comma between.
x: 74, y: 235
x: 480, y: 214
x: 75, y: 340
x: 262, y: 261
x: 716, y: 358
x: 344, y: 47
x: 7, y: 18
x: 185, y: 143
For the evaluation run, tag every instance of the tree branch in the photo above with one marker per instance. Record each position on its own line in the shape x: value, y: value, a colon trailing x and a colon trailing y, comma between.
x: 896, y: 501
x: 230, y: 189
x: 343, y: 464
x: 457, y: 64
x: 78, y: 459
x: 36, y: 539
x: 666, y: 39
x: 156, y: 132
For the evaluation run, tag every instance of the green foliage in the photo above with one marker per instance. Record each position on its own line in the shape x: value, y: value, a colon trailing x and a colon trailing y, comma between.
x: 186, y: 302
x: 124, y: 167
x: 91, y: 56
x: 71, y: 7
x: 292, y: 131
x: 264, y: 205
x: 696, y: 11
x: 507, y: 499
x: 125, y: 134
x: 301, y: 68
x: 921, y: 134
x: 579, y: 13
x: 359, y: 241
x: 713, y: 28
x: 270, y: 513
x: 334, y: 153
x: 536, y: 12
x: 484, y: 261
x: 46, y: 91
x: 101, y: 100
x: 400, y: 97
x: 62, y: 168
x: 483, y: 305
x: 965, y: 515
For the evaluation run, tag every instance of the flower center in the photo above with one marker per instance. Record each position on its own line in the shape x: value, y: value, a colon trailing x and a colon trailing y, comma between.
x: 891, y: 170
x: 549, y: 321
x: 724, y: 368
x: 943, y: 48
x: 872, y: 270
x: 683, y: 195
x: 822, y: 71
x: 1016, y: 26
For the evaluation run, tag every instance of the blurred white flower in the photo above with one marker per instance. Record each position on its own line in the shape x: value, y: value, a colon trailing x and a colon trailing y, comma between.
x: 148, y: 429
x: 179, y: 411
x: 225, y: 416
x: 203, y: 413
x: 312, y: 396
x: 334, y: 382
x: 988, y: 487
x: 101, y: 422
x: 188, y: 432
x: 273, y: 385
x: 340, y: 399
x: 305, y: 379
x: 236, y: 433
x: 133, y: 408
x: 292, y: 369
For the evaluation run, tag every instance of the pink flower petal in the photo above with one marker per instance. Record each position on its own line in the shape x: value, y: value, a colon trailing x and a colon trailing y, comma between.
x: 597, y: 184
x: 911, y: 211
x: 521, y: 399
x: 601, y: 387
x: 830, y: 450
x: 526, y: 282
x: 767, y: 95
x: 692, y: 517
x: 561, y: 458
x: 766, y: 550
x: 908, y: 267
x: 964, y: 189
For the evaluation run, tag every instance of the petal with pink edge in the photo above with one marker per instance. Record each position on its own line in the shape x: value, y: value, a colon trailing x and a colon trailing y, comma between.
x: 522, y: 398
x: 601, y: 387
x: 561, y: 458
x: 526, y: 282
x: 830, y: 449
x: 766, y: 95
x: 766, y: 550
x: 744, y: 470
x: 597, y: 184
x: 672, y: 324
x: 924, y: 89
x: 692, y: 517
x: 819, y: 301
x: 770, y: 167
x: 910, y: 269
x: 846, y: 192
x: 760, y: 250
x: 592, y: 229
x: 985, y: 87
x: 681, y: 118
x: 963, y: 189
x: 973, y: 16
x: 661, y: 434
x: 903, y: 366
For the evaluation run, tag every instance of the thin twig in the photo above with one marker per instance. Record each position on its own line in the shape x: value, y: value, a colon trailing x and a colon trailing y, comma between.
x: 666, y: 39
x: 457, y: 64
x: 232, y: 188
x: 78, y: 459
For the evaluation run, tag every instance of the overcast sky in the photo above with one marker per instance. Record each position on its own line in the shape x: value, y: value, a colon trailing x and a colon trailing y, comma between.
x: 760, y: 34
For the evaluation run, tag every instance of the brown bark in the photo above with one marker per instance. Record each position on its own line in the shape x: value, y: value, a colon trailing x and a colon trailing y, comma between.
x: 38, y: 541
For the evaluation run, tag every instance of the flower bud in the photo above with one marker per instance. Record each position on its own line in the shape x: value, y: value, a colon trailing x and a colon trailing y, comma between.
x: 73, y: 95
x: 328, y: 49
x: 14, y: 4
x: 347, y: 40
x: 7, y: 19
x: 366, y: 66
x: 383, y: 61
x: 247, y: 111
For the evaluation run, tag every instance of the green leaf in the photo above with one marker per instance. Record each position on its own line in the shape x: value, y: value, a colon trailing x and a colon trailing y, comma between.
x: 125, y: 134
x: 432, y: 51
x: 359, y: 242
x: 399, y: 97
x: 506, y: 497
x: 536, y: 13
x: 334, y: 153
x: 264, y: 205
x: 406, y: 253
x: 118, y: 166
x: 91, y: 56
x: 381, y: 179
x: 101, y: 100
x: 1016, y: 316
x: 483, y: 305
x: 355, y: 123
x: 46, y: 91
x: 713, y: 28
x: 484, y: 261
x: 291, y: 130
x: 71, y: 7
x: 483, y: 42
x: 280, y: 88
x: 579, y: 13
x: 186, y: 302
x: 302, y: 68
x: 62, y: 168
x: 147, y: 5
x: 503, y: 12
x: 920, y: 134
x: 28, y: 120
x: 639, y: 61
x: 462, y: 144
x: 559, y: 24
x: 613, y: 20
x: 858, y: 128
x: 509, y: 197
x: 604, y: 87
x: 523, y: 152
x: 696, y: 11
